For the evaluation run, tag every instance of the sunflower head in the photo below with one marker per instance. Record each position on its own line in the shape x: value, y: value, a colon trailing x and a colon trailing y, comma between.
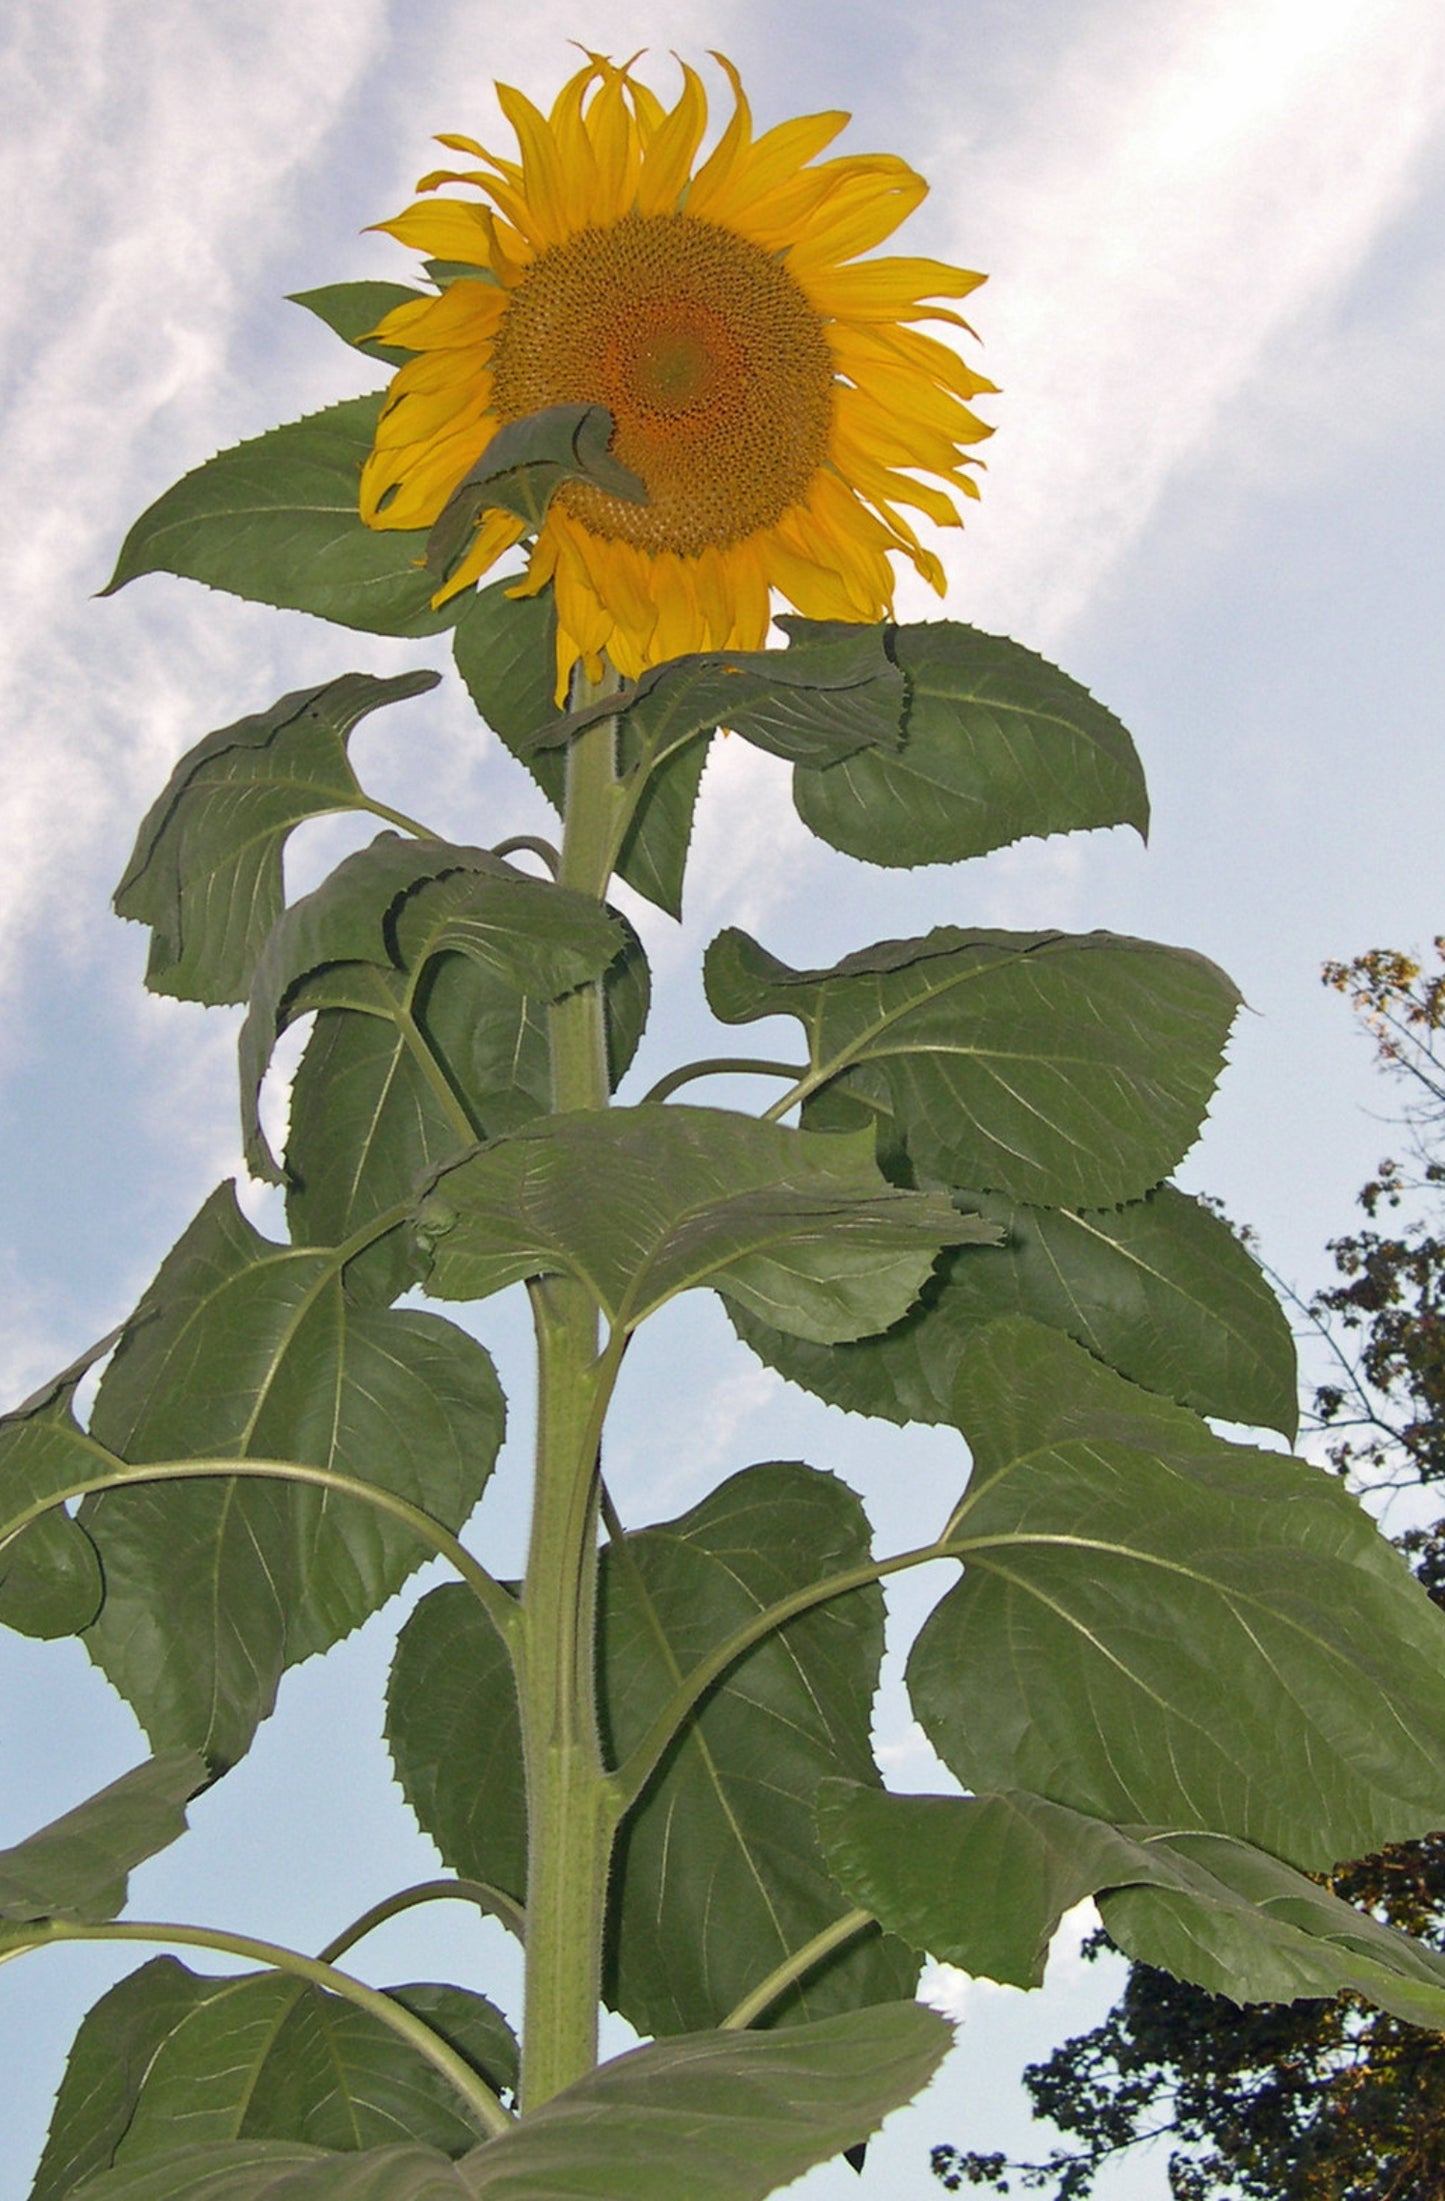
x: 767, y: 386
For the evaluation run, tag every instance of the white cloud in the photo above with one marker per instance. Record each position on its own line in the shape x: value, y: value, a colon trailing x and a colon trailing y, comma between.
x: 1184, y: 187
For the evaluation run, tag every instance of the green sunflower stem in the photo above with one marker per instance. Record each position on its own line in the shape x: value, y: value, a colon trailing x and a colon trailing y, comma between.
x: 570, y: 1806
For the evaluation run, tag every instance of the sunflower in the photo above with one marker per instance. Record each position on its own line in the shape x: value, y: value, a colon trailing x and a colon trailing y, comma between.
x: 768, y: 387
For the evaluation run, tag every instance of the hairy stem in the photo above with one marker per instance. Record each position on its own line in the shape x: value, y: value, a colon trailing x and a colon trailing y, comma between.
x: 569, y: 1815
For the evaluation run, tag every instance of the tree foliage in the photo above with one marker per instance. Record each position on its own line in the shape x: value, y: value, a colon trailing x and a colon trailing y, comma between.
x: 1310, y: 2100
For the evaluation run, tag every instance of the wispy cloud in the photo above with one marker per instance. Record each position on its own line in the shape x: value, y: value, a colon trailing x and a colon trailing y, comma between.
x: 1163, y: 206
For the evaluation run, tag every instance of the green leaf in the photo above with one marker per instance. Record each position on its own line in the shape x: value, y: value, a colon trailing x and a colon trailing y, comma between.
x: 76, y: 1868
x: 105, y: 2069
x: 1063, y: 1071
x: 644, y: 1203
x: 280, y: 2170
x: 1156, y: 1626
x: 521, y: 470
x: 353, y: 310
x: 998, y: 744
x: 1242, y: 1924
x: 506, y: 652
x: 251, y: 1349
x: 455, y: 1736
x: 653, y: 855
x: 832, y: 693
x: 982, y: 1882
x: 267, y: 2057
x: 1160, y: 1289
x: 365, y: 938
x: 715, y: 2116
x: 710, y: 2116
x: 276, y: 520
x: 206, y: 872
x: 718, y: 1877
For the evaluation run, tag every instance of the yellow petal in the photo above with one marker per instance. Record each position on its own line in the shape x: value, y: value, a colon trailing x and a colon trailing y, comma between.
x: 667, y: 162
x: 890, y: 289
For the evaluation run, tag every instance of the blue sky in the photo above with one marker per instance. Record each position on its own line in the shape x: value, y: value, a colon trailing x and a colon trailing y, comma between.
x: 1215, y: 233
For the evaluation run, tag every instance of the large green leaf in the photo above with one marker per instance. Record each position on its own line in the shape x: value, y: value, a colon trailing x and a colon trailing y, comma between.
x: 267, y: 2057
x: 276, y: 520
x: 1060, y: 1070
x: 1156, y: 1626
x: 708, y: 2117
x: 643, y: 1203
x: 716, y: 2116
x: 521, y: 470
x: 50, y: 1583
x: 206, y: 870
x: 105, y: 2069
x: 214, y: 1586
x: 76, y: 1868
x: 719, y: 1877
x: 998, y: 744
x: 1160, y: 1289
x: 834, y: 692
x: 983, y: 1881
x: 455, y: 1735
x: 363, y: 941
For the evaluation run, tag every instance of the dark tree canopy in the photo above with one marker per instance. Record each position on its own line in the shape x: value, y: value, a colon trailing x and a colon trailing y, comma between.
x: 1312, y: 2100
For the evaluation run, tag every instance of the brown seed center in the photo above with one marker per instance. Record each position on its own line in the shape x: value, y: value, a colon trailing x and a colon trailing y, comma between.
x: 707, y: 354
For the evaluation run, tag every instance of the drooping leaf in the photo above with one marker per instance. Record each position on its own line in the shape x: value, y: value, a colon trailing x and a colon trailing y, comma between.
x: 1160, y: 1289
x: 214, y: 1586
x: 521, y: 470
x: 718, y: 1877
x: 1242, y: 1924
x: 352, y: 311
x: 276, y: 520
x: 998, y: 744
x: 715, y: 2116
x: 455, y: 1736
x: 364, y: 939
x: 1158, y: 1627
x: 76, y: 1868
x: 1062, y: 1071
x: 206, y: 871
x: 644, y: 1203
x: 983, y: 1881
x: 267, y: 2057
x: 834, y: 692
